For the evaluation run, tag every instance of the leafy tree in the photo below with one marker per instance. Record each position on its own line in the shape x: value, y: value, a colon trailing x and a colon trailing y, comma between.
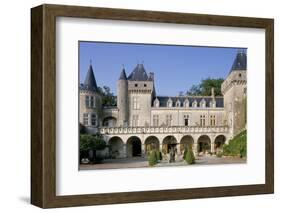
x: 181, y: 93
x: 108, y: 98
x: 194, y: 90
x: 91, y: 143
x: 205, y: 87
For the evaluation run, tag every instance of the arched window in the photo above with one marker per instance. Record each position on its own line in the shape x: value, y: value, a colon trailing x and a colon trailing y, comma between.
x: 178, y: 103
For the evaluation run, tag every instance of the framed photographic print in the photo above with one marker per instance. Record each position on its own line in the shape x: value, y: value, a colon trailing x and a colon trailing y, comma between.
x: 136, y: 106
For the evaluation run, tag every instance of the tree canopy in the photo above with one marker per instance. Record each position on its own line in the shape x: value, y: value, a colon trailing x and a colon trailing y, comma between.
x: 205, y: 87
x: 91, y: 142
x: 108, y: 98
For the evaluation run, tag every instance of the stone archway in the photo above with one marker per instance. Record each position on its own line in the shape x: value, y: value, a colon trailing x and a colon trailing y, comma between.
x: 151, y: 142
x: 109, y: 121
x: 204, y: 144
x: 169, y: 142
x: 116, y: 147
x: 186, y: 142
x: 134, y: 147
x: 219, y: 142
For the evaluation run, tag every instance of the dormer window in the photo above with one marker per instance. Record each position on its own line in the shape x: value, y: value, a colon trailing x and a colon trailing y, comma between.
x: 136, y: 85
x: 186, y: 103
x: 156, y: 102
x: 170, y: 103
x: 194, y: 103
x: 144, y: 85
x: 178, y: 103
x: 203, y: 103
x: 213, y: 103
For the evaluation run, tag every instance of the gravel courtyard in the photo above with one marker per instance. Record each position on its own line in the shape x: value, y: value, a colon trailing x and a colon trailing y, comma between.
x: 140, y: 162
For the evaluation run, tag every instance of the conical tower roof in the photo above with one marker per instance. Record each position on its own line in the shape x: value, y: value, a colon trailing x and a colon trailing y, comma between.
x: 123, y: 75
x: 138, y: 74
x: 90, y: 81
x: 240, y: 62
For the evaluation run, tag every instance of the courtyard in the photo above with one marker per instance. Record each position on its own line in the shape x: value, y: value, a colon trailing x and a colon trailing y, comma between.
x: 140, y: 162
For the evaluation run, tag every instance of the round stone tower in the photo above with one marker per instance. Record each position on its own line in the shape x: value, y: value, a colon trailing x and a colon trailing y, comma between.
x: 122, y: 99
x: 235, y: 97
x: 90, y: 103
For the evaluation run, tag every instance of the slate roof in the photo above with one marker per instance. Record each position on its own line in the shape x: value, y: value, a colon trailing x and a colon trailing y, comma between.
x: 138, y: 74
x: 90, y: 81
x: 240, y: 62
x: 164, y: 99
x: 123, y: 75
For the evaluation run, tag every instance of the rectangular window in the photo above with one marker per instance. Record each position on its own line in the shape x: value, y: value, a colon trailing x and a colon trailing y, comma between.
x: 136, y: 104
x: 212, y: 120
x: 169, y: 120
x: 135, y: 120
x: 87, y: 101
x: 90, y: 101
x: 202, y: 120
x: 186, y: 120
x: 155, y: 120
x: 93, y: 119
x: 85, y: 119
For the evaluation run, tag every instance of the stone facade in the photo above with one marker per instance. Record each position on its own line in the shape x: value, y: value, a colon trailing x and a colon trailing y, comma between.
x: 142, y: 121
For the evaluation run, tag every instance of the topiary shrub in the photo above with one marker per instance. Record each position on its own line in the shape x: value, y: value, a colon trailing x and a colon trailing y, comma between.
x: 158, y: 155
x: 189, y: 156
x: 152, y: 158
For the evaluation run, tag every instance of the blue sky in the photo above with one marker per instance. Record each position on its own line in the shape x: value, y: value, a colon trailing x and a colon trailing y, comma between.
x: 176, y: 68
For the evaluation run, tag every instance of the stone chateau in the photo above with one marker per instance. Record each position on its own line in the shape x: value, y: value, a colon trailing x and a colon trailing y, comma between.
x: 142, y: 121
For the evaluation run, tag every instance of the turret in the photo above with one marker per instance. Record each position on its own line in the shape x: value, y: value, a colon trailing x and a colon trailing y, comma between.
x: 140, y: 95
x: 234, y: 91
x: 122, y: 99
x: 90, y: 102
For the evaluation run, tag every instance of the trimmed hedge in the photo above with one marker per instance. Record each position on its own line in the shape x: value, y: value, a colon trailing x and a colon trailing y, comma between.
x: 237, y: 146
x: 152, y: 158
x: 158, y: 155
x: 189, y: 156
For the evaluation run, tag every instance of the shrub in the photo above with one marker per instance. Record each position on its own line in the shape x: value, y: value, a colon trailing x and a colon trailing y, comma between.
x: 152, y: 158
x: 158, y: 155
x: 189, y: 156
x: 219, y: 154
x: 237, y: 146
